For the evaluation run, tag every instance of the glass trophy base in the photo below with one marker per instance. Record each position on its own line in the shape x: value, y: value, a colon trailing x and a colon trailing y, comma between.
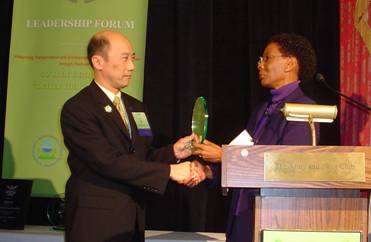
x: 58, y: 228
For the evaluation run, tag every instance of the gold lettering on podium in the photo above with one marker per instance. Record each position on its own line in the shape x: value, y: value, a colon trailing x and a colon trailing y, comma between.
x: 295, y: 166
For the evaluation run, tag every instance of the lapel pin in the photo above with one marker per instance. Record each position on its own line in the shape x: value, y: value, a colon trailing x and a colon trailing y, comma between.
x: 108, y: 108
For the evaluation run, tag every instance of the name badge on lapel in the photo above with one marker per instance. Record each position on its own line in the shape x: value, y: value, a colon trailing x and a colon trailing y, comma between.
x: 141, y: 121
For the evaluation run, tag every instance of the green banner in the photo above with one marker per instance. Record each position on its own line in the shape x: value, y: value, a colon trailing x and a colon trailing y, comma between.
x: 48, y: 65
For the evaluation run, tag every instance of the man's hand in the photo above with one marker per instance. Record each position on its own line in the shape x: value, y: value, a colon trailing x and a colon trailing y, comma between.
x: 189, y: 173
x: 182, y: 147
x: 181, y: 173
x: 200, y: 173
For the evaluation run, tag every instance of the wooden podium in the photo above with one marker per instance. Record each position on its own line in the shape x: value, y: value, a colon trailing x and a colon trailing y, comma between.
x: 303, y: 188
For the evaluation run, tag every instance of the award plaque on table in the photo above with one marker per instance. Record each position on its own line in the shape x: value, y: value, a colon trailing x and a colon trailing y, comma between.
x: 14, y: 202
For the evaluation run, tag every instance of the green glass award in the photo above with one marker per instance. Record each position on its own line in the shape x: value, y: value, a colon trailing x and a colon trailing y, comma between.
x: 55, y: 212
x: 200, y: 118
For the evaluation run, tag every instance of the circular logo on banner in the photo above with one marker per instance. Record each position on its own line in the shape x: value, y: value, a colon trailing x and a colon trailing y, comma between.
x: 46, y: 151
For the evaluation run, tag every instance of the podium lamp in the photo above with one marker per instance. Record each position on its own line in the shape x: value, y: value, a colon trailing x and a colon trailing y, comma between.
x: 309, y: 113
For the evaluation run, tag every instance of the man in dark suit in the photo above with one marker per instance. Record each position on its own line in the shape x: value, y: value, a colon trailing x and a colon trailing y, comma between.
x: 110, y: 157
x: 287, y: 59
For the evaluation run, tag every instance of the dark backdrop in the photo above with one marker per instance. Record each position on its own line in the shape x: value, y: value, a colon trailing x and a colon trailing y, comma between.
x: 210, y: 48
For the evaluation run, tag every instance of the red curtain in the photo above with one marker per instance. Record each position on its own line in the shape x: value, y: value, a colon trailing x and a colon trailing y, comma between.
x: 355, y: 70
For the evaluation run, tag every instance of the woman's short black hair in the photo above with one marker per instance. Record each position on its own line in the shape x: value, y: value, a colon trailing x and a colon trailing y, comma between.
x: 297, y: 46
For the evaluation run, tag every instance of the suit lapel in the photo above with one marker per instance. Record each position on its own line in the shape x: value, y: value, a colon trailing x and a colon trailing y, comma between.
x: 107, y: 108
x: 276, y: 116
x: 259, y: 115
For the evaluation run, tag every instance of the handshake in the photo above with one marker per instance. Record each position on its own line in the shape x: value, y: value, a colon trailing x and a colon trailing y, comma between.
x: 191, y: 173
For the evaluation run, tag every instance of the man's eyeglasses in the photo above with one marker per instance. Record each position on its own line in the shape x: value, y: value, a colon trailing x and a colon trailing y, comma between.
x: 266, y: 58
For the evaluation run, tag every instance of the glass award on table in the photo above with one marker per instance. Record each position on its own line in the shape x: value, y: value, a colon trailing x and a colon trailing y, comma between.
x: 199, y: 120
x: 55, y: 212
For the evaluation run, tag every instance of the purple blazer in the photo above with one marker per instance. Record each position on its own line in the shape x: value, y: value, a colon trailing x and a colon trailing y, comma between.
x: 277, y: 131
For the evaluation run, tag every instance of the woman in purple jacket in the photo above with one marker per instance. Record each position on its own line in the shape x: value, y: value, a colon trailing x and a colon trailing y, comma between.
x: 287, y: 59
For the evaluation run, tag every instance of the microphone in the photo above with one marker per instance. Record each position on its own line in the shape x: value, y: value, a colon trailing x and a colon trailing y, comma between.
x: 319, y: 78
